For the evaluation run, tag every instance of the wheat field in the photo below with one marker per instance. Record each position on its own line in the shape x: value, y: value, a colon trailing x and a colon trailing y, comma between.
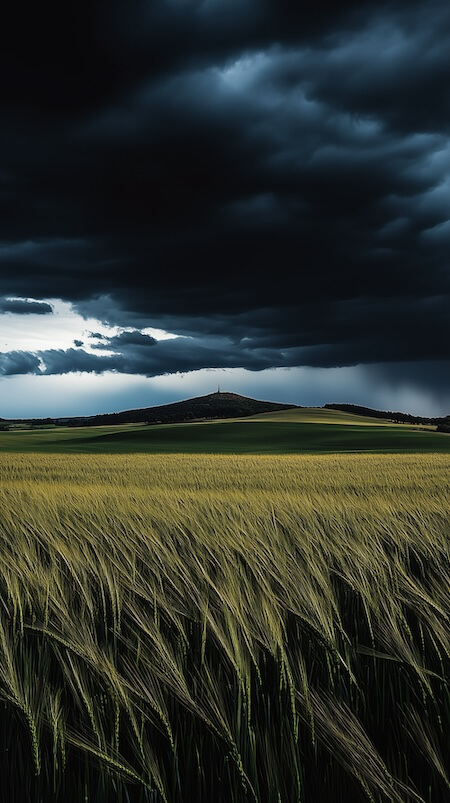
x: 224, y: 629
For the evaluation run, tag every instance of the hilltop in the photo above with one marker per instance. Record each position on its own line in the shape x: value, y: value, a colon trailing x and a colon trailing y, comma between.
x: 224, y: 405
x: 201, y: 408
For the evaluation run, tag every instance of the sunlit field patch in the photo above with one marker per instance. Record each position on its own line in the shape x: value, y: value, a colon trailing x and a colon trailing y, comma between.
x: 224, y: 628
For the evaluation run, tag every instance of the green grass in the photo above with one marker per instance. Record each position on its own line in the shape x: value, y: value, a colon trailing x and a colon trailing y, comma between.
x: 287, y: 432
x: 236, y: 629
x: 319, y: 415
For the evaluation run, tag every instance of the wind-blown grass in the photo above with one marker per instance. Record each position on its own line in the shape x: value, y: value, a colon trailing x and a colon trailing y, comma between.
x: 217, y: 628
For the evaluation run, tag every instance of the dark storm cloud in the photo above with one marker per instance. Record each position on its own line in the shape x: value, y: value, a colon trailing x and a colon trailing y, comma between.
x: 125, y: 340
x: 136, y: 353
x: 271, y: 181
x: 133, y: 352
x: 21, y: 306
x: 18, y: 362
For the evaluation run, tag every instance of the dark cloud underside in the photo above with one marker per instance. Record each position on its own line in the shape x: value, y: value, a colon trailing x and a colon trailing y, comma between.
x: 20, y: 306
x: 269, y: 182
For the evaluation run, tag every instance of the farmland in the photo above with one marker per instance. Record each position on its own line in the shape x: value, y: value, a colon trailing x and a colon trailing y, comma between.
x: 304, y: 430
x: 224, y: 627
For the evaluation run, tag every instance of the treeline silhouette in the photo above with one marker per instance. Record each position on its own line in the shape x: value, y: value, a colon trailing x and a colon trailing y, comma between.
x: 397, y: 417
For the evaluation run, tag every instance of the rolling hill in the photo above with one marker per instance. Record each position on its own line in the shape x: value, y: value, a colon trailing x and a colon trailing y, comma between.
x: 224, y: 405
x: 210, y: 407
x: 289, y: 431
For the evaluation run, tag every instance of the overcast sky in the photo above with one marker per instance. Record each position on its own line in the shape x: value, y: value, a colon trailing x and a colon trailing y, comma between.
x: 250, y: 192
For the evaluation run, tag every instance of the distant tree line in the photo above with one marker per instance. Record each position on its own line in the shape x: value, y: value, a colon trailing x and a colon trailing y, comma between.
x: 444, y: 426
x: 398, y: 418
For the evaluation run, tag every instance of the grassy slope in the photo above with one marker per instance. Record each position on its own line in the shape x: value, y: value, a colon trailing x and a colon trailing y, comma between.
x: 287, y: 432
x: 320, y: 415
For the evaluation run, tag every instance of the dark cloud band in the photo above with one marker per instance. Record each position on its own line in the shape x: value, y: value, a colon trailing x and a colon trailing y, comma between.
x: 269, y: 181
x: 19, y: 306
